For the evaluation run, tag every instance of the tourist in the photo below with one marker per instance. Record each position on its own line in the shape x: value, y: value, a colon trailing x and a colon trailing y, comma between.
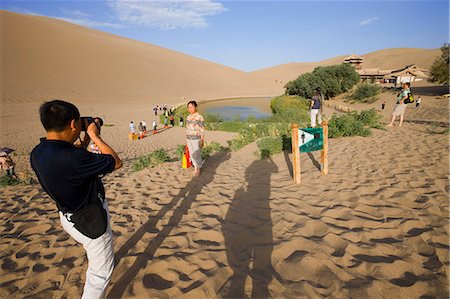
x: 141, y: 130
x: 155, y: 125
x: 316, y: 108
x: 7, y: 164
x: 383, y: 105
x: 71, y: 176
x: 132, y: 128
x: 181, y: 120
x: 400, y: 106
x: 144, y: 125
x: 195, y: 136
x: 418, y: 102
x: 172, y: 121
x: 155, y: 110
x: 166, y: 122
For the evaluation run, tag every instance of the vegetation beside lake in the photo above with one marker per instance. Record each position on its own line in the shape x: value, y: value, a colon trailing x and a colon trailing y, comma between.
x: 273, y: 134
x: 365, y: 93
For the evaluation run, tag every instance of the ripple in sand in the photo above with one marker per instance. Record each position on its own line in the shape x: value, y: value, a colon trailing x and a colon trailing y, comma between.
x: 208, y: 238
x: 9, y: 264
x: 38, y: 268
x: 154, y: 281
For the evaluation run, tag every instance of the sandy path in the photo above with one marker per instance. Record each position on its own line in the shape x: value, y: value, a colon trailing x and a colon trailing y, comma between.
x: 376, y: 226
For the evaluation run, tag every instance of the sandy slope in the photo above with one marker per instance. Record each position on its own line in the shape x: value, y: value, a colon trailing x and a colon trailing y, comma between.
x: 44, y: 58
x: 376, y: 226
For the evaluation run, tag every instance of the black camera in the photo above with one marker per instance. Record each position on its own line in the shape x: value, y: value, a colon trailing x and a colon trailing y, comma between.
x: 87, y: 120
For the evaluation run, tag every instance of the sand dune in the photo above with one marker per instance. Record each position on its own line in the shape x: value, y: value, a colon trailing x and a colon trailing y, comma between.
x: 383, y: 59
x: 45, y: 57
x: 377, y: 226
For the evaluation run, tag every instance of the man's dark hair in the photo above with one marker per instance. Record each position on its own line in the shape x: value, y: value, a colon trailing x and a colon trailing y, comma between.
x: 193, y: 103
x: 56, y: 115
x: 408, y: 84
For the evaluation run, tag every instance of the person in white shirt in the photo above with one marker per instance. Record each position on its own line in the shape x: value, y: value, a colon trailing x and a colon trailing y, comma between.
x: 132, y: 128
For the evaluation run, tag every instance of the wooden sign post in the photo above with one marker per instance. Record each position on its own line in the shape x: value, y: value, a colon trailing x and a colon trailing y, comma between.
x: 312, y: 139
x: 324, y: 167
x: 296, y: 155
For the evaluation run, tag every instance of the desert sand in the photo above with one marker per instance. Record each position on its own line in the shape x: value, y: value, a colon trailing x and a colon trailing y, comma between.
x: 377, y: 226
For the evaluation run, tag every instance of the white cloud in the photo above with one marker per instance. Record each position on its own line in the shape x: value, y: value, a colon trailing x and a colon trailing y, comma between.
x: 368, y: 21
x: 89, y: 23
x: 166, y: 15
x: 79, y: 18
x: 75, y: 13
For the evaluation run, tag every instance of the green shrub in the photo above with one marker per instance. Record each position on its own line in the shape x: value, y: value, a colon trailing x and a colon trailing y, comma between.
x: 180, y: 151
x: 287, y: 109
x: 154, y: 158
x: 7, y: 180
x: 354, y: 124
x: 227, y: 126
x: 370, y: 118
x: 211, y: 148
x: 333, y: 80
x: 212, y: 117
x: 366, y: 93
x: 268, y: 146
x: 242, y: 139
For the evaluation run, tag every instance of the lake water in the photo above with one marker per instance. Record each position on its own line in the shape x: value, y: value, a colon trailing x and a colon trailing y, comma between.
x: 232, y: 112
x: 242, y: 108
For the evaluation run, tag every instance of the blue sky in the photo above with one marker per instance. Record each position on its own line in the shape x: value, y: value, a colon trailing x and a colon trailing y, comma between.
x: 250, y: 35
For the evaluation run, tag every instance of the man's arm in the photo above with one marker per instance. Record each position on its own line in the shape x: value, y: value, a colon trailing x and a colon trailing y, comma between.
x: 83, y: 143
x: 104, y: 148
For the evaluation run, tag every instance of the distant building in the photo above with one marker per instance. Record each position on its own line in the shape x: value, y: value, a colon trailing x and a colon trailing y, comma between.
x: 354, y: 60
x: 409, y: 73
x: 373, y: 75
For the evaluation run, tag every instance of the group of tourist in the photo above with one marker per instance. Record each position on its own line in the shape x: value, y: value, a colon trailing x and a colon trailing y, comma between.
x: 316, y: 104
x: 71, y: 176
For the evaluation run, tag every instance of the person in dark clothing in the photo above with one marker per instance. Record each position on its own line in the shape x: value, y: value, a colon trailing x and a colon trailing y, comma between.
x: 315, y: 108
x: 70, y: 175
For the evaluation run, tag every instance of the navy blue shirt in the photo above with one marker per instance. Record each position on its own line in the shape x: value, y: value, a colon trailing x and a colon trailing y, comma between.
x: 70, y: 175
x: 316, y: 100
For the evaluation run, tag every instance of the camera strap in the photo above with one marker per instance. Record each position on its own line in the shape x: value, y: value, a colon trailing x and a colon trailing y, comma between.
x: 41, y: 179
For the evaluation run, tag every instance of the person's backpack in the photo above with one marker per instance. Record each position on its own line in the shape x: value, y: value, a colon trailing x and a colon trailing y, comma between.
x: 410, y: 99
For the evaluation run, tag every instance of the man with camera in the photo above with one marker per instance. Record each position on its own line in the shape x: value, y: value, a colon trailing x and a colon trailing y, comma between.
x: 71, y: 176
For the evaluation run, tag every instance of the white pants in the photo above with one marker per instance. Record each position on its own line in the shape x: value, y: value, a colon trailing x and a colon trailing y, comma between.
x: 195, y: 151
x: 100, y: 254
x: 315, y: 113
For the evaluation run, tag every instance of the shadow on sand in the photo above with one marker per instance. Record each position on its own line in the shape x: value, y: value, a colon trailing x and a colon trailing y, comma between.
x: 430, y: 90
x: 187, y: 196
x: 248, y: 233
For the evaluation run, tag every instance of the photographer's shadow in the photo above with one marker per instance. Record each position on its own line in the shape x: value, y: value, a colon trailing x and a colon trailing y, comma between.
x: 248, y: 233
x: 184, y: 200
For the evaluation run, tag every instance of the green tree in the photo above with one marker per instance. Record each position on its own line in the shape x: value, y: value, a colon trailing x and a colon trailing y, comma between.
x: 439, y: 70
x: 333, y: 80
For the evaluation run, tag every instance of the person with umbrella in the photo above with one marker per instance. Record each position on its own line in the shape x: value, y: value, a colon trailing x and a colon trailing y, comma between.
x: 6, y: 162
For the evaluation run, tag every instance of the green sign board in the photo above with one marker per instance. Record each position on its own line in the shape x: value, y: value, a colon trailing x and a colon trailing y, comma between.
x: 310, y: 139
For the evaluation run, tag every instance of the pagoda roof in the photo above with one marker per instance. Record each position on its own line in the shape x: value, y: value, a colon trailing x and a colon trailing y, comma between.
x: 353, y: 57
